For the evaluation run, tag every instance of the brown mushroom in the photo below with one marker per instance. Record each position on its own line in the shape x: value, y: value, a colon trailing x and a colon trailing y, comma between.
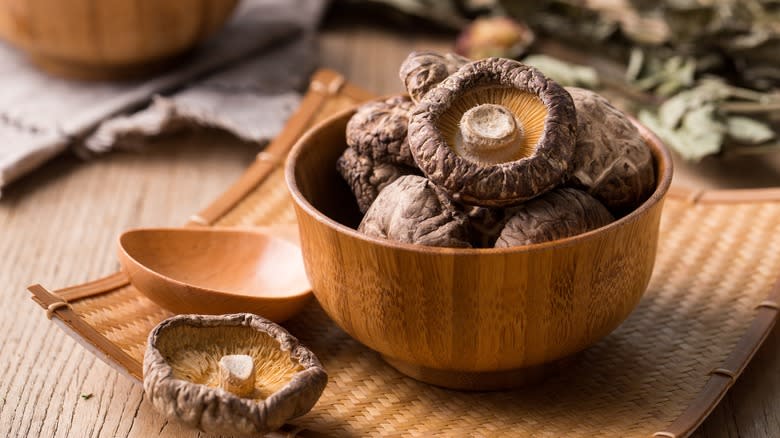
x: 557, y: 214
x: 611, y: 160
x: 495, y: 133
x: 486, y: 224
x: 378, y: 130
x: 421, y: 71
x: 494, y: 36
x: 367, y: 178
x: 232, y: 374
x: 413, y: 210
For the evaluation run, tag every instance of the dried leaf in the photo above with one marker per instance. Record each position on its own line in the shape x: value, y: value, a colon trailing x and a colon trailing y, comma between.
x: 749, y: 131
x: 635, y: 62
x: 699, y: 134
x: 674, y: 109
x: 667, y: 77
x: 702, y: 133
x: 663, y: 131
x: 566, y: 74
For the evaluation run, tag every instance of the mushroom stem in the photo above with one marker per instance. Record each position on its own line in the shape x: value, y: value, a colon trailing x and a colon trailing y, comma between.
x: 490, y: 134
x: 237, y: 374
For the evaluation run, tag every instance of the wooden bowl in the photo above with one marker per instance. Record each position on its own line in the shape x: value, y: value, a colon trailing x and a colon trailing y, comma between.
x: 467, y: 318
x: 95, y: 39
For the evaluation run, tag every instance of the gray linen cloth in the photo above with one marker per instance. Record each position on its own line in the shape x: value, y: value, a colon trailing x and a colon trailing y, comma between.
x: 245, y: 80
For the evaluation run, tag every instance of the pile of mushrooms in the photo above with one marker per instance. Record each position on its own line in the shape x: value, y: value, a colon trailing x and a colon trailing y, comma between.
x: 491, y: 153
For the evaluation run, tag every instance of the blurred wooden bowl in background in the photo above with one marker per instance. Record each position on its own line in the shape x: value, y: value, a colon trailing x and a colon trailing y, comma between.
x: 93, y: 39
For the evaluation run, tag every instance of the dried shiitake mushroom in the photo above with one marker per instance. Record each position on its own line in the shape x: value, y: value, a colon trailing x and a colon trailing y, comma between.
x: 486, y: 224
x: 421, y: 71
x: 367, y: 178
x: 611, y: 160
x: 495, y: 133
x: 557, y: 214
x: 413, y: 210
x: 378, y: 130
x: 232, y: 374
x: 494, y: 36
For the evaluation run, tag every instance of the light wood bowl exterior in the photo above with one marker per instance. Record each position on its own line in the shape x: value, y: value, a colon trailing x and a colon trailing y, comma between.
x: 97, y: 39
x: 467, y: 318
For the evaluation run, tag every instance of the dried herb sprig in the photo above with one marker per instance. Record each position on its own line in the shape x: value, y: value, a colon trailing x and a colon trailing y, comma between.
x: 712, y: 65
x: 699, y: 121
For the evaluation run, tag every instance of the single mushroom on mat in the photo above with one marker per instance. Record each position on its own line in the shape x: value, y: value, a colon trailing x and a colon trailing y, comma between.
x: 557, y: 214
x: 378, y: 130
x: 421, y: 71
x: 495, y: 133
x: 413, y: 210
x: 611, y: 160
x: 366, y: 177
x: 232, y: 374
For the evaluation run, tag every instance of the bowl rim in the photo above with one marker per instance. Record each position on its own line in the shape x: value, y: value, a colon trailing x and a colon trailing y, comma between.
x: 659, y: 151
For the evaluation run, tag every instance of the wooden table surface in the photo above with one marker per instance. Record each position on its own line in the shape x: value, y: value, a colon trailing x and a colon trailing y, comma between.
x: 59, y: 227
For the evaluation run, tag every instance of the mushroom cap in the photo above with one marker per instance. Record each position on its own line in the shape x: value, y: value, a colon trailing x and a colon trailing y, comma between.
x: 611, y: 160
x: 181, y: 373
x: 367, y: 178
x: 421, y: 71
x: 557, y: 214
x: 378, y: 130
x: 413, y: 210
x: 543, y: 108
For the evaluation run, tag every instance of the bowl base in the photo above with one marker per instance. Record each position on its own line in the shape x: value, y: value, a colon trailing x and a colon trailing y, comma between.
x: 90, y: 72
x: 478, y: 381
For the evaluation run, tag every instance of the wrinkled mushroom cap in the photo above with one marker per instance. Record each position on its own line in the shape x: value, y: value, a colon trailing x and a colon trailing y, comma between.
x: 543, y: 111
x: 421, y: 71
x: 611, y: 160
x: 413, y: 210
x: 367, y: 178
x: 181, y: 373
x: 557, y: 214
x: 378, y: 130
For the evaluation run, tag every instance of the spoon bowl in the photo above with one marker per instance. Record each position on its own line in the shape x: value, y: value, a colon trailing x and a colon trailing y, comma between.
x: 217, y: 270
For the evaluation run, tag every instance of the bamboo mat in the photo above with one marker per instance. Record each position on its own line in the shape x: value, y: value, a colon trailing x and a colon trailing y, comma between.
x: 710, y: 304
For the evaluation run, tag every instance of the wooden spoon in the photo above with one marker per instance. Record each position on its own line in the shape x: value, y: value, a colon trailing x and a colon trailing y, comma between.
x: 218, y: 270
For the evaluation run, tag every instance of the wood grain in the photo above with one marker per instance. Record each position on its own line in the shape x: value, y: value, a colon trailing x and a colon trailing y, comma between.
x: 59, y: 225
x: 217, y: 270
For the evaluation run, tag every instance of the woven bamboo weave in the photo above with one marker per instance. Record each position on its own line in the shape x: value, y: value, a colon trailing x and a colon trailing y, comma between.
x: 715, y: 272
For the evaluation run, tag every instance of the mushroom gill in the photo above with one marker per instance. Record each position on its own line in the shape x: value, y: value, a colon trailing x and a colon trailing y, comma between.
x: 194, y: 354
x: 475, y: 126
